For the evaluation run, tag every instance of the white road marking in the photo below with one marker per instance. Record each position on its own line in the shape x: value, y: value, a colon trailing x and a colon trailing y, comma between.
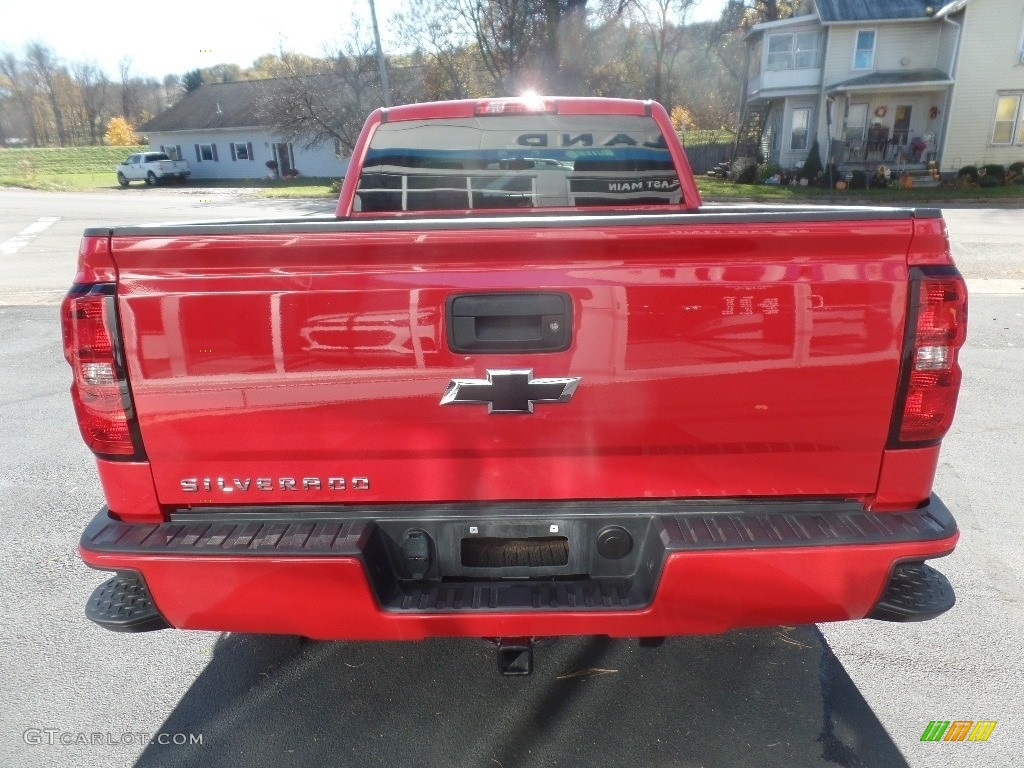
x: 14, y: 244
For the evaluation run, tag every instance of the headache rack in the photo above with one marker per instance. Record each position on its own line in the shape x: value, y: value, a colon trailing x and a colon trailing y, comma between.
x: 387, y: 188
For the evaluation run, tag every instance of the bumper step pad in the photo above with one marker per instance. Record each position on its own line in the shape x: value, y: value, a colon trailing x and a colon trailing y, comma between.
x: 123, y: 604
x: 916, y: 592
x: 589, y: 594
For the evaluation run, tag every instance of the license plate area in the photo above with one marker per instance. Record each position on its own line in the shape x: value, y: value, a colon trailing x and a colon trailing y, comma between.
x: 535, y: 562
x: 501, y: 549
x: 526, y: 552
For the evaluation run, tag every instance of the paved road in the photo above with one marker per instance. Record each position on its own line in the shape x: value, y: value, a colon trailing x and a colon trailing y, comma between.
x: 42, y: 265
x: 851, y: 694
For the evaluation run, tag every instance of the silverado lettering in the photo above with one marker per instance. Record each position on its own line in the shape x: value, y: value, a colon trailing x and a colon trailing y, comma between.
x: 195, y: 485
x: 739, y: 409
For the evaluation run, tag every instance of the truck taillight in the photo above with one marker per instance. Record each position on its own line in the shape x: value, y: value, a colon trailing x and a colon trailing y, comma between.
x: 937, y: 327
x: 528, y: 104
x: 100, y: 390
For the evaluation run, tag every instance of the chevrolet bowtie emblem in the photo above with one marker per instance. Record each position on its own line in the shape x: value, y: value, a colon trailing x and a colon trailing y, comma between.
x: 510, y: 391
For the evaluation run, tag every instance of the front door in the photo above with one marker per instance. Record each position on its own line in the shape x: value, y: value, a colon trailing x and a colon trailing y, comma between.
x: 284, y: 158
x: 901, y: 125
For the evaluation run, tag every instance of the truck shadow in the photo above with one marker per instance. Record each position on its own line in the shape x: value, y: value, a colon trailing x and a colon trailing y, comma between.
x: 772, y: 697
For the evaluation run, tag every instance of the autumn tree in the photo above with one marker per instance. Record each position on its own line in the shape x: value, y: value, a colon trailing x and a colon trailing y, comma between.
x: 120, y: 132
x: 682, y: 120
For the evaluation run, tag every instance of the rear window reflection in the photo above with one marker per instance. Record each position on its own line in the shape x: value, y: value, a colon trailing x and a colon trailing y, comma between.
x: 517, y: 162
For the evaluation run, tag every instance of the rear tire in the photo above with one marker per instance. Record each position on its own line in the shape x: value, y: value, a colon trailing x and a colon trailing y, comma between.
x: 151, y: 179
x: 121, y: 179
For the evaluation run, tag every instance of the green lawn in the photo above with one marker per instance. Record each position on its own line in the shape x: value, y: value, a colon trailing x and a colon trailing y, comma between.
x: 316, y: 188
x: 62, y: 168
x: 54, y: 161
x: 716, y: 189
x: 698, y: 137
x: 85, y: 168
x: 63, y: 182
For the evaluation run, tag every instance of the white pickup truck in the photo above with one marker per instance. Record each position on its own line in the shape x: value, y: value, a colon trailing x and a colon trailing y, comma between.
x: 151, y: 167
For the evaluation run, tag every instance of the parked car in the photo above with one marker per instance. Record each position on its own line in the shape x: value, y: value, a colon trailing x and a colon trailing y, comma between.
x: 152, y: 168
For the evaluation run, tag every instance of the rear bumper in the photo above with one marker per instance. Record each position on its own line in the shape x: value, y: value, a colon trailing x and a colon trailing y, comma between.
x: 695, y: 569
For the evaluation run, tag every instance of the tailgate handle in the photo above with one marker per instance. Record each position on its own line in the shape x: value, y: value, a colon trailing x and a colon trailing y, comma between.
x: 509, y: 322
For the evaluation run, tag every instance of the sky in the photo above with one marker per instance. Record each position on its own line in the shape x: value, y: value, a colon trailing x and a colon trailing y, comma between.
x: 189, y: 34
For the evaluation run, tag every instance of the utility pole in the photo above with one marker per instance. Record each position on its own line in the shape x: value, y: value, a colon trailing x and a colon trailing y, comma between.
x: 381, y: 64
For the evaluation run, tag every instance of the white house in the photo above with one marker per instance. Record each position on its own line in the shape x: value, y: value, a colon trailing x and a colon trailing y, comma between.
x: 894, y: 81
x: 986, y: 113
x: 215, y: 127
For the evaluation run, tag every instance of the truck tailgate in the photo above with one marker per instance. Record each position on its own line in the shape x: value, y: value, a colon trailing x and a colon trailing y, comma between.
x: 718, y: 356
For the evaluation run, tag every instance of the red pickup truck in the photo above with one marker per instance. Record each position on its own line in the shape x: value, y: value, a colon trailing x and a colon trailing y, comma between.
x: 523, y: 384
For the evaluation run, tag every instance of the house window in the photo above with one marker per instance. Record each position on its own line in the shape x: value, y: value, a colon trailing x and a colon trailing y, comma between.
x: 798, y: 132
x: 794, y: 51
x: 1008, y: 126
x: 864, y: 52
x: 855, y: 122
x: 171, y: 152
x: 241, y: 150
x: 780, y: 52
x: 1020, y: 47
x: 206, y: 152
x: 808, y: 50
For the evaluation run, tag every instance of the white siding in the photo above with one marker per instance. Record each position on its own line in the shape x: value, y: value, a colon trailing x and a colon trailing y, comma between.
x: 794, y: 158
x: 916, y: 43
x: 988, y: 64
x: 319, y: 162
x: 787, y: 78
x: 949, y: 38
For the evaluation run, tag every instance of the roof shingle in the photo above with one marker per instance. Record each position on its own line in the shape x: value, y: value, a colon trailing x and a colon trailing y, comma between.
x: 216, y: 105
x: 874, y: 10
x: 881, y: 79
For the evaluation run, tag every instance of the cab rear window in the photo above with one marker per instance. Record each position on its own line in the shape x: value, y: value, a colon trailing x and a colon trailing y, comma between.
x: 517, y: 161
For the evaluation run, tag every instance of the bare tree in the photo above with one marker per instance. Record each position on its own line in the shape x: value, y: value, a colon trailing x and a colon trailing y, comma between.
x: 323, y: 100
x: 436, y: 29
x: 664, y: 25
x: 508, y: 36
x: 19, y: 82
x: 129, y: 94
x: 45, y: 68
x: 738, y: 16
x: 93, y: 88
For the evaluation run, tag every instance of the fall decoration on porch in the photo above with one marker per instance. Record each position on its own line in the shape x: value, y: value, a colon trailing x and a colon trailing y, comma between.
x: 907, y: 181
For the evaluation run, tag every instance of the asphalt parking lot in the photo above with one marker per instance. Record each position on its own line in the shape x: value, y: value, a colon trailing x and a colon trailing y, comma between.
x: 851, y: 694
